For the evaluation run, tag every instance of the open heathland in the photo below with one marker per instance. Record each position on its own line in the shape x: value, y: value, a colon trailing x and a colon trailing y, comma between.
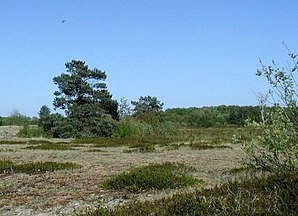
x: 71, y: 191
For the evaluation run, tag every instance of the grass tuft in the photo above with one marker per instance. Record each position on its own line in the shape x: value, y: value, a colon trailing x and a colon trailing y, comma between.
x: 50, y: 146
x: 7, y: 166
x: 202, y: 146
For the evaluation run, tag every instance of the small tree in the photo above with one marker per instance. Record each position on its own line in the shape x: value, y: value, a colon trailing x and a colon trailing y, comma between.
x: 85, y: 98
x: 276, y: 148
x: 148, y: 109
x: 80, y: 86
x: 124, y: 109
x: 44, y: 113
x: 146, y: 104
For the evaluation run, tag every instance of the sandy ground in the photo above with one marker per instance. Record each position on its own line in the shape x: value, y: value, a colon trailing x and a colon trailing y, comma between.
x: 68, y: 192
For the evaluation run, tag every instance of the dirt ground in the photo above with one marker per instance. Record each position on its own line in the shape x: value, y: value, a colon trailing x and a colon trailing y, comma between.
x: 69, y: 192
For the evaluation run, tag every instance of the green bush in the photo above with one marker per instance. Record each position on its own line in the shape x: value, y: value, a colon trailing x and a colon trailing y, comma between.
x: 276, y: 148
x: 34, y: 168
x: 153, y: 176
x: 126, y: 128
x: 29, y: 131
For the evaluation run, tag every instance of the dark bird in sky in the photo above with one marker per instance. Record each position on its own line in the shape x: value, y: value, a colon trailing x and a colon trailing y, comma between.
x: 63, y: 21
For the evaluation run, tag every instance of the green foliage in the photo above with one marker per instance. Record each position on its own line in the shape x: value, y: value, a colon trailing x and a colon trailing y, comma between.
x: 149, y: 110
x: 213, y: 116
x: 90, y: 110
x: 126, y: 128
x: 217, y: 135
x: 276, y: 148
x: 97, y: 124
x: 34, y: 168
x: 81, y: 86
x: 31, y: 131
x: 147, y: 104
x: 58, y: 126
x: 89, y: 121
x: 130, y: 126
x: 208, y: 136
x: 44, y: 114
x: 153, y: 176
x: 272, y: 195
x: 16, y: 118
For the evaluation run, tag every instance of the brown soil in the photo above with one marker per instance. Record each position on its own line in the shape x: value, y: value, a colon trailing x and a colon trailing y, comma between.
x: 68, y: 192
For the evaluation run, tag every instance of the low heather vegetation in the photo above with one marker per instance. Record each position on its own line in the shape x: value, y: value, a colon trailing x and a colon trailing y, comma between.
x: 272, y: 195
x: 153, y: 176
x: 9, y: 167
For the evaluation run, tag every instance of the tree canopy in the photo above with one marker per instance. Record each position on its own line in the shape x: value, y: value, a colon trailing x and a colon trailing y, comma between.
x: 89, y: 107
x: 81, y: 86
x: 146, y: 104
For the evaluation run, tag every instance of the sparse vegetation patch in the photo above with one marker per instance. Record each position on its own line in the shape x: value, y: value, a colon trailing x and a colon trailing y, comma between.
x: 273, y: 195
x: 50, y: 146
x: 202, y: 146
x: 7, y: 166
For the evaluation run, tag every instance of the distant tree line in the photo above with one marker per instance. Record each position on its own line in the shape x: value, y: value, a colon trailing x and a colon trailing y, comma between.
x: 18, y: 119
x: 90, y: 110
x: 214, y: 116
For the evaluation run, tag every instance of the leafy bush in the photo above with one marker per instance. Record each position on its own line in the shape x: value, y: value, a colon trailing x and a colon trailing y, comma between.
x: 100, y: 125
x: 153, y: 176
x: 272, y: 195
x: 126, y: 127
x: 276, y: 148
x: 29, y: 132
x: 34, y: 168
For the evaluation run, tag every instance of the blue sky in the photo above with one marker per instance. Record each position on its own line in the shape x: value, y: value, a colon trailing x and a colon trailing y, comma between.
x: 185, y: 52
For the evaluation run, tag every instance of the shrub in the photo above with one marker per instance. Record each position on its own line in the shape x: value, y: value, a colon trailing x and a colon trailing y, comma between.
x: 153, y: 176
x: 276, y: 148
x: 29, y: 132
x: 126, y: 127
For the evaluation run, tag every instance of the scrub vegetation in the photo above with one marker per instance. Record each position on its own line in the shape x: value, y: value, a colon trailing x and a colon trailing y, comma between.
x: 224, y: 160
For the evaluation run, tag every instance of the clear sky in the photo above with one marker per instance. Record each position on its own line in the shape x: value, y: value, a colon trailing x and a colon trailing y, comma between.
x: 185, y: 52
